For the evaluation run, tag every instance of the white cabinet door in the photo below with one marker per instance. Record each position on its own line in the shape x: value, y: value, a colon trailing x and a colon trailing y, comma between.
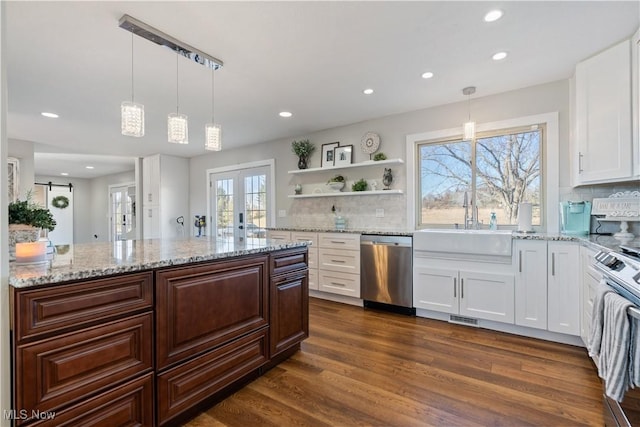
x: 486, y: 296
x: 563, y: 284
x: 151, y: 180
x: 531, y: 283
x: 279, y: 236
x: 435, y: 289
x: 151, y: 222
x: 603, y: 116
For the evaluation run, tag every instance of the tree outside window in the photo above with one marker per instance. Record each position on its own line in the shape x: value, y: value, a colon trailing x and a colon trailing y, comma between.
x: 507, y: 172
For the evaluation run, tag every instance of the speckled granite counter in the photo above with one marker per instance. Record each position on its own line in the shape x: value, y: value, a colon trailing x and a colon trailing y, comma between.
x: 355, y: 231
x: 90, y: 260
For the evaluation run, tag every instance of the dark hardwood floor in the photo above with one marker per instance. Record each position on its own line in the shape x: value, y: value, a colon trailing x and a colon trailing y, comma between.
x: 363, y: 367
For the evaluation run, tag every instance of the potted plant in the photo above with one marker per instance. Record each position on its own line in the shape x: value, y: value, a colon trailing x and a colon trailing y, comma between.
x: 26, y: 220
x: 360, y: 185
x: 336, y: 183
x: 303, y: 149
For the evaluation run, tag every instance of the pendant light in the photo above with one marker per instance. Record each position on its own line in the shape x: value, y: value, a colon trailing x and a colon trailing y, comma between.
x: 177, y: 124
x: 469, y: 127
x: 132, y: 114
x: 212, y: 131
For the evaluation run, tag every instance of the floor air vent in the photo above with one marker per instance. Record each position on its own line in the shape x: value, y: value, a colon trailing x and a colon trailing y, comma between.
x: 463, y: 320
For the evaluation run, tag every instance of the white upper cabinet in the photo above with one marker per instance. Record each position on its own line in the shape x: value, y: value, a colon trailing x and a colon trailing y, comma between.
x: 602, y: 148
x: 635, y: 93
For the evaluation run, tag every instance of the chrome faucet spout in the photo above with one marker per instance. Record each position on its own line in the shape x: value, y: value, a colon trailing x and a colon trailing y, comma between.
x: 465, y: 205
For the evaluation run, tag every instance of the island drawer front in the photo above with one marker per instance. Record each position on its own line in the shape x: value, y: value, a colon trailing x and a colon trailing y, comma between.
x: 288, y: 260
x: 201, y: 307
x: 339, y: 241
x: 130, y: 404
x: 339, y: 260
x: 73, y: 306
x: 339, y: 283
x: 305, y: 236
x: 186, y: 385
x: 54, y: 372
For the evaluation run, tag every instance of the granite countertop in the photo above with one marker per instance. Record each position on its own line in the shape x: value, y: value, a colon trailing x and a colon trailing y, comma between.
x: 91, y: 260
x: 350, y: 230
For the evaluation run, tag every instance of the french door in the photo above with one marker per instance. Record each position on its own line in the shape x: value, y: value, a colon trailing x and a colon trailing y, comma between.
x: 122, y: 212
x: 239, y: 203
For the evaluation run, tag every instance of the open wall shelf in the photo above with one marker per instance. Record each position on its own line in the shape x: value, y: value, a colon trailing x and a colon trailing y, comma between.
x: 351, y: 166
x: 346, y: 193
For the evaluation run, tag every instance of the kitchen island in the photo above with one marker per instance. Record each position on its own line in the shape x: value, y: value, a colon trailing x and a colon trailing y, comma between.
x: 146, y: 332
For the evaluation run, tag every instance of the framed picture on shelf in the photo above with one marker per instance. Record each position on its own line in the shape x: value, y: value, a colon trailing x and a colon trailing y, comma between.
x: 13, y: 178
x: 327, y: 154
x: 342, y: 156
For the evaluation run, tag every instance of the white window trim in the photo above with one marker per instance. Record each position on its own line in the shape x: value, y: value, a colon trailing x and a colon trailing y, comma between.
x: 271, y: 163
x: 550, y: 153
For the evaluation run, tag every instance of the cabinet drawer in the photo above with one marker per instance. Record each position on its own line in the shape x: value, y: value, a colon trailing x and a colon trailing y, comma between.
x: 339, y: 283
x: 129, y: 404
x: 303, y: 236
x: 182, y: 387
x: 200, y: 307
x: 66, y: 307
x: 282, y: 236
x: 59, y: 370
x: 288, y: 260
x: 339, y: 260
x: 313, y: 279
x: 313, y: 257
x: 339, y: 241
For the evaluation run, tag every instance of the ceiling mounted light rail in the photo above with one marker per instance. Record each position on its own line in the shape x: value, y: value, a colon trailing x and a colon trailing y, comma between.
x: 156, y: 36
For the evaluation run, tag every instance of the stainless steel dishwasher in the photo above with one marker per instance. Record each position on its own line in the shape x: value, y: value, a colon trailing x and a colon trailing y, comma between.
x: 386, y: 272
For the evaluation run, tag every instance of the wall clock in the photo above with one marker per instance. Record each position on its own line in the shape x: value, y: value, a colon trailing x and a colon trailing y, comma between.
x: 369, y: 143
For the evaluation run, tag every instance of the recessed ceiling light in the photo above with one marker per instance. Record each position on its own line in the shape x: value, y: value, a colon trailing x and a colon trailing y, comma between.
x: 64, y: 173
x: 500, y: 55
x: 89, y: 167
x: 285, y: 114
x: 493, y: 15
x: 367, y: 91
x: 427, y: 75
x: 50, y: 115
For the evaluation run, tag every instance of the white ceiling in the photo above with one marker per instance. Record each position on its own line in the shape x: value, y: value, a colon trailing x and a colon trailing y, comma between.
x: 310, y: 58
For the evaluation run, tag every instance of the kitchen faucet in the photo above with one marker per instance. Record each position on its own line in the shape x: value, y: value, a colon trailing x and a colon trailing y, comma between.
x: 469, y: 221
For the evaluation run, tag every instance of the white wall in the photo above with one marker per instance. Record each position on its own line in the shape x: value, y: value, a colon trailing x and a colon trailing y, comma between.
x: 546, y: 98
x: 23, y: 151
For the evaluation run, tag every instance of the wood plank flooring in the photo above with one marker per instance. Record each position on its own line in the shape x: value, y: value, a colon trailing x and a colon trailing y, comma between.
x: 370, y: 368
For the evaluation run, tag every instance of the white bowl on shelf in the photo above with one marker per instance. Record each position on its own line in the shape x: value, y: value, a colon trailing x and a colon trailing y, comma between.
x: 336, y: 186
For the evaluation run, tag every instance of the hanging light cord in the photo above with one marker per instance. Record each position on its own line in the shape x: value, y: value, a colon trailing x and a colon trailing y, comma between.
x: 213, y: 73
x: 177, y: 92
x: 132, y: 93
x: 469, y: 98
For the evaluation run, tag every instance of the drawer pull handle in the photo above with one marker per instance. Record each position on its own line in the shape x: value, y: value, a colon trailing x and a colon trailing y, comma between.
x: 520, y: 261
x: 338, y: 241
x: 338, y: 284
x: 454, y: 287
x: 339, y: 261
x: 461, y: 288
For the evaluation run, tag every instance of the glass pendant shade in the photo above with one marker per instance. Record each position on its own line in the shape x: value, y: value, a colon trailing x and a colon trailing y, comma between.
x: 132, y: 119
x: 469, y: 131
x: 178, y: 128
x: 213, y: 137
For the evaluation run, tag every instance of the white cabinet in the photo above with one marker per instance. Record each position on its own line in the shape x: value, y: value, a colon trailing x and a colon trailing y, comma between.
x: 279, y: 236
x: 635, y: 95
x: 563, y: 287
x: 304, y: 236
x: 480, y: 295
x: 530, y: 259
x: 603, y: 144
x: 339, y: 263
x: 165, y: 190
x: 590, y: 281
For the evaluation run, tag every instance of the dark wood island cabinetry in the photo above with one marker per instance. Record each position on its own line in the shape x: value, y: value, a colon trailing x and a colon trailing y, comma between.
x: 150, y: 347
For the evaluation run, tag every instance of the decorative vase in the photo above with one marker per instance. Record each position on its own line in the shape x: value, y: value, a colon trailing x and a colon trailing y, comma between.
x: 298, y: 189
x: 302, y: 162
x: 337, y: 186
x: 387, y: 178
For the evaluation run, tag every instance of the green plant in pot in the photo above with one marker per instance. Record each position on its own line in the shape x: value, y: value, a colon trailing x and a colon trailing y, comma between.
x: 360, y: 185
x: 26, y: 220
x: 303, y: 149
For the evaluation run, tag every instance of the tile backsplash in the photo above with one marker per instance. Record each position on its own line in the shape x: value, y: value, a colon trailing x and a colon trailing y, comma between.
x: 588, y: 193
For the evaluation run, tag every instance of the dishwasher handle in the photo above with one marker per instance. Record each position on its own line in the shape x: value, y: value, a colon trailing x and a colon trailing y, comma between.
x: 375, y: 243
x: 382, y: 240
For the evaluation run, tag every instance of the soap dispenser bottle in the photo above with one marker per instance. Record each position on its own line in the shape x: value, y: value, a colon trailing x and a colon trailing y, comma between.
x: 493, y: 222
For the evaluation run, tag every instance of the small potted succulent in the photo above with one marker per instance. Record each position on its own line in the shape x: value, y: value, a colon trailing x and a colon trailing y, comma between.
x: 303, y: 149
x: 336, y: 183
x: 360, y: 185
